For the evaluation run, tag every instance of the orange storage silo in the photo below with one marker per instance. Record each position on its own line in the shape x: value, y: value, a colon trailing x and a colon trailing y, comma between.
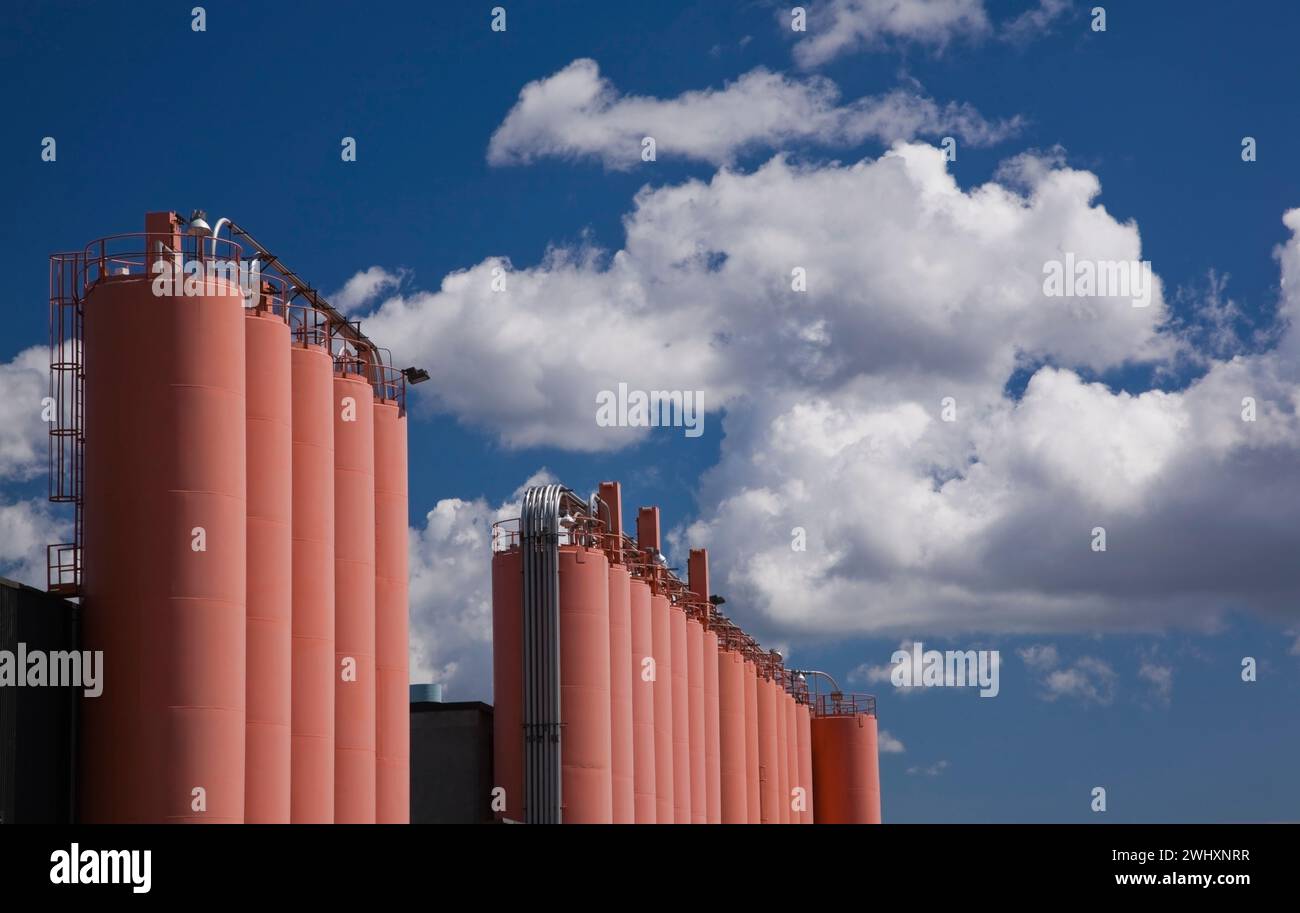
x: 712, y: 732
x: 620, y: 690
x: 731, y: 722
x: 695, y: 708
x: 643, y: 704
x: 269, y: 687
x: 753, y: 780
x: 508, y: 679
x: 354, y: 593
x: 768, y: 752
x: 392, y: 675
x: 846, y: 769
x: 791, y: 759
x: 621, y: 666
x: 312, y: 778
x: 165, y: 549
x: 587, y: 787
x: 681, y: 717
x: 782, y: 755
x: 665, y: 769
x: 804, y: 741
x: 698, y: 579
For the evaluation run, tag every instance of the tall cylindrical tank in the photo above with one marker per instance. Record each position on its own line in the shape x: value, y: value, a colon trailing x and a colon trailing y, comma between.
x: 782, y: 757
x: 643, y: 704
x: 508, y: 680
x: 661, y: 632
x: 712, y: 734
x: 622, y: 752
x: 585, y: 762
x: 392, y: 676
x: 753, y: 781
x: 791, y: 759
x: 269, y: 686
x: 165, y: 545
x: 804, y: 745
x: 681, y: 718
x: 695, y: 707
x: 768, y: 752
x: 312, y: 778
x: 731, y: 722
x: 846, y: 769
x: 354, y: 593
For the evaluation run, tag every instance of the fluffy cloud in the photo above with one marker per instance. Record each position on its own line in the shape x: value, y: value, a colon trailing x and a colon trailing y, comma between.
x: 451, y: 594
x: 1087, y: 679
x: 1159, y: 676
x: 838, y: 27
x: 576, y: 113
x: 24, y: 382
x: 887, y: 744
x: 919, y: 294
x: 26, y: 528
x: 928, y: 770
x: 365, y: 287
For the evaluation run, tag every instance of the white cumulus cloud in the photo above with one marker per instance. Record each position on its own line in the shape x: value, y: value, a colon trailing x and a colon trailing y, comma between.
x: 577, y: 113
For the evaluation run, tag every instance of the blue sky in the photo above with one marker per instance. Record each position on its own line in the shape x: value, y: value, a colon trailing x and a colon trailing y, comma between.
x: 245, y: 120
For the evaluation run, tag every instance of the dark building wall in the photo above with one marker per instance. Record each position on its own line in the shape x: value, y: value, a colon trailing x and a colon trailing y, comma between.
x: 451, y: 763
x: 38, y: 725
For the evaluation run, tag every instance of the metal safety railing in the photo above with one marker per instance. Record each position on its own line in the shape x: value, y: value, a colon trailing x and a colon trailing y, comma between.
x: 179, y: 264
x: 839, y: 704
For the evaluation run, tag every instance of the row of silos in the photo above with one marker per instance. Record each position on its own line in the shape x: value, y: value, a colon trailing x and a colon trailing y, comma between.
x: 244, y: 552
x: 668, y: 712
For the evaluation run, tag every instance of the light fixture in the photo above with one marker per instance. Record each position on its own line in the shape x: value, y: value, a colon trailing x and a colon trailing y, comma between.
x: 415, y: 375
x: 199, y: 224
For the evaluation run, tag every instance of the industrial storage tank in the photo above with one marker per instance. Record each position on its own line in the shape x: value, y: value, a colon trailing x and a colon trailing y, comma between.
x: 845, y: 764
x: 753, y: 760
x: 804, y: 745
x: 665, y: 767
x: 681, y: 716
x: 782, y: 753
x: 392, y: 674
x: 791, y: 758
x: 695, y: 707
x: 647, y: 537
x: 712, y: 731
x: 508, y: 673
x: 354, y: 594
x: 164, y: 541
x: 643, y: 704
x: 270, y: 563
x: 731, y: 720
x: 768, y: 750
x: 552, y: 726
x: 585, y: 685
x: 622, y: 750
x: 312, y: 777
